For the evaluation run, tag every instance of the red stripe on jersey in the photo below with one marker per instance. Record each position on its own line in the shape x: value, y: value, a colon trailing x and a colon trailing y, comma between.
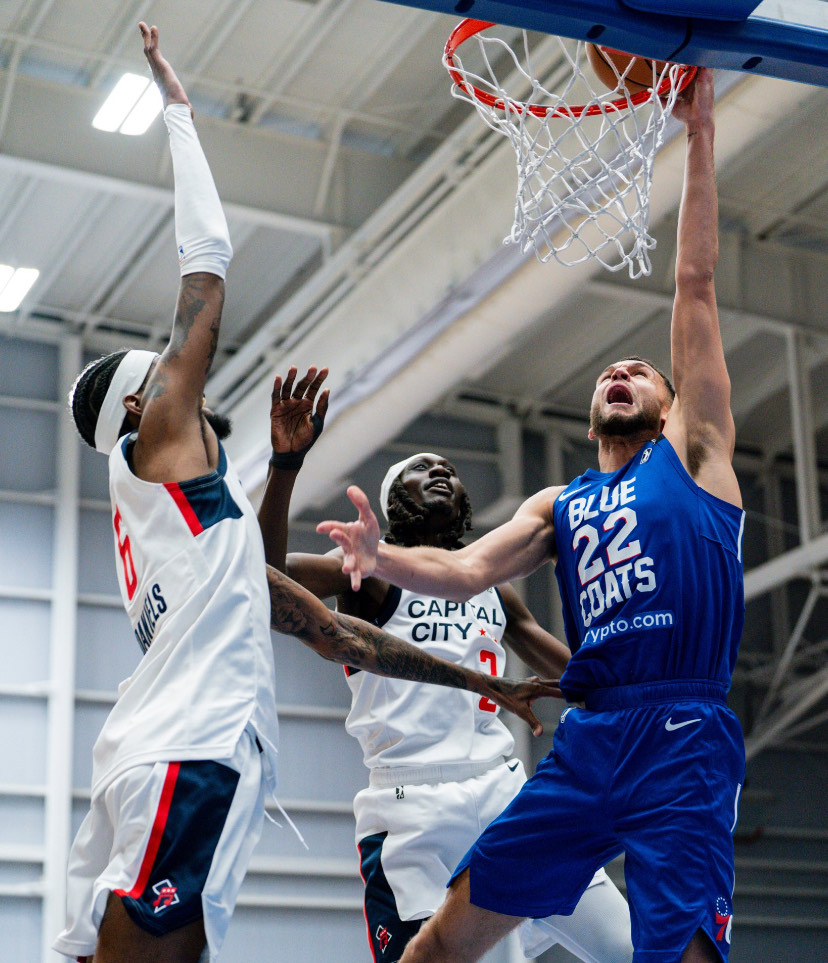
x: 185, y: 507
x: 365, y: 885
x: 156, y: 833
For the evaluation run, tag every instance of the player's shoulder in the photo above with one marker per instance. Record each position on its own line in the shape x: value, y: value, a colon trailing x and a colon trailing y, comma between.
x: 540, y: 505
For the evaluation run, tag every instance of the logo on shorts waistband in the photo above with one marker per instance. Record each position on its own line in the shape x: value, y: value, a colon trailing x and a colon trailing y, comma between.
x: 724, y: 920
x: 383, y: 937
x: 166, y: 896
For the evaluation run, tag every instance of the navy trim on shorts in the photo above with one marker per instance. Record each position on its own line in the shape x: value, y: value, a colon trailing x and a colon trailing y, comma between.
x: 388, y: 935
x: 190, y: 820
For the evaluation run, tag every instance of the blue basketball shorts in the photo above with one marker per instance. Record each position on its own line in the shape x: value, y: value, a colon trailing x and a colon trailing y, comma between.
x: 660, y: 784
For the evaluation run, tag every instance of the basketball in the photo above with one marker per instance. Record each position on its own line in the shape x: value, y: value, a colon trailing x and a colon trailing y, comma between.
x: 641, y: 76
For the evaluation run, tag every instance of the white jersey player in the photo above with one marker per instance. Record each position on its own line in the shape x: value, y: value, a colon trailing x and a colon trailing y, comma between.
x: 183, y: 760
x: 440, y: 766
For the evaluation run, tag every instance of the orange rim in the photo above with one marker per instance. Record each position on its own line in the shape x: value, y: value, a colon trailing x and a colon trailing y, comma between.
x: 468, y: 28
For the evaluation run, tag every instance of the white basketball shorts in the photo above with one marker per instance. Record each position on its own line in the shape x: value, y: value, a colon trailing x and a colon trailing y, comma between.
x: 173, y: 840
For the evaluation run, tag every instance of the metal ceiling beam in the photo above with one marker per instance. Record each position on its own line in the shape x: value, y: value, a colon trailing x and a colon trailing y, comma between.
x: 804, y: 446
x: 219, y: 88
x: 664, y: 301
x: 215, y: 32
x: 773, y: 379
x: 18, y: 49
x: 62, y: 249
x: 798, y: 563
x: 324, y: 17
x: 122, y: 29
x: 89, y: 180
x: 773, y: 729
x: 135, y: 251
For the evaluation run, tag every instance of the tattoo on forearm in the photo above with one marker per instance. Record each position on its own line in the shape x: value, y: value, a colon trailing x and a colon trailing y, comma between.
x: 191, y: 303
x: 350, y: 641
x: 376, y: 651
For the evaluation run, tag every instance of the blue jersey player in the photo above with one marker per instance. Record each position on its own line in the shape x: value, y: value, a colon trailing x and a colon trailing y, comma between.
x: 648, y: 760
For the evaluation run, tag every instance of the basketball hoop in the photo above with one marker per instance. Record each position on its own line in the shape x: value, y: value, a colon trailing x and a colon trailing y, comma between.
x: 584, y: 155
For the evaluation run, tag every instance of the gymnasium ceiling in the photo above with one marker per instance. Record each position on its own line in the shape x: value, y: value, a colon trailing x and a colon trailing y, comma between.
x: 367, y: 209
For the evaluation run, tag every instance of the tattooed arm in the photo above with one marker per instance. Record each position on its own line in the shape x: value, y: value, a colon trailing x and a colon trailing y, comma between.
x: 350, y: 641
x: 174, y: 440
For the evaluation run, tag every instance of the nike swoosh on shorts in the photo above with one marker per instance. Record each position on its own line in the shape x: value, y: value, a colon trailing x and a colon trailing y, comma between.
x: 669, y: 725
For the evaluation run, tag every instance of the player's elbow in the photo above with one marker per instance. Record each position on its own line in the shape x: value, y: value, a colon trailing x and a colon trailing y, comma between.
x: 695, y: 277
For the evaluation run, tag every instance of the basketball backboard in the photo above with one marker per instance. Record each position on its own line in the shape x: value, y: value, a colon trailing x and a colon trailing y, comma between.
x: 777, y: 38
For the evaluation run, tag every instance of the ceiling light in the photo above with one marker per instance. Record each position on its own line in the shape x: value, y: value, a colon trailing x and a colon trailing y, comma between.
x: 131, y: 107
x: 144, y: 112
x: 15, y: 285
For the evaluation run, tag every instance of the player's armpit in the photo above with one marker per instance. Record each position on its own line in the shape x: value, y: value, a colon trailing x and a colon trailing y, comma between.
x: 536, y: 647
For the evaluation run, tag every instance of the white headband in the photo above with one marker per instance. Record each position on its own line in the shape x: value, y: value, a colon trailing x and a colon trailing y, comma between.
x: 128, y: 378
x: 394, y: 473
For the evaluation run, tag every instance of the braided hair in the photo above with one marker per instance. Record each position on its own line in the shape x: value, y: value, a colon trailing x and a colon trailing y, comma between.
x: 88, y: 392
x: 407, y: 519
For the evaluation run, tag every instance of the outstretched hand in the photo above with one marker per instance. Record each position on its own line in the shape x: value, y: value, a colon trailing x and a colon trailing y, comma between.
x: 358, y: 540
x: 294, y: 425
x: 694, y: 105
x: 171, y: 88
x: 517, y: 695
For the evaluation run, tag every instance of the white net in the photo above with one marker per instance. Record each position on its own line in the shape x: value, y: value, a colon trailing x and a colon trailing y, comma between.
x: 583, y: 176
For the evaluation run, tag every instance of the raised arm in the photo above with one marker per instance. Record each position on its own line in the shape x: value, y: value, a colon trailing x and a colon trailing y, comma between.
x: 172, y: 443
x: 297, y: 418
x: 350, y: 641
x: 536, y: 647
x: 294, y: 427
x: 700, y: 425
x: 511, y: 551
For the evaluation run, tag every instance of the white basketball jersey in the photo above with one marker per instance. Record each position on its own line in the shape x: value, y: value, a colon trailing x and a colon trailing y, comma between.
x: 415, y: 724
x: 191, y: 570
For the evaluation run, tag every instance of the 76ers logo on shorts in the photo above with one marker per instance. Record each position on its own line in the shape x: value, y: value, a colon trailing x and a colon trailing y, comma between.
x: 383, y: 937
x: 166, y: 896
x: 724, y: 920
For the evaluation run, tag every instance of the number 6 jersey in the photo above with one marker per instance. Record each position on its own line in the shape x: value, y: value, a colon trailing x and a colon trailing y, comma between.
x: 191, y: 570
x: 650, y: 574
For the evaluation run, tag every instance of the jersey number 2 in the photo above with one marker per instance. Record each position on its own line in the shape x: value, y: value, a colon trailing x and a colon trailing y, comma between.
x: 488, y: 657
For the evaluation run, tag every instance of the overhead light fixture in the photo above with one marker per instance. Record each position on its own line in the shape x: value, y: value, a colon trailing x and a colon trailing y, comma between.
x: 131, y: 107
x: 15, y: 285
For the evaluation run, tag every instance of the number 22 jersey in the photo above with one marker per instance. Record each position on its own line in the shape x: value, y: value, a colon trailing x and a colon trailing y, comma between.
x: 650, y: 575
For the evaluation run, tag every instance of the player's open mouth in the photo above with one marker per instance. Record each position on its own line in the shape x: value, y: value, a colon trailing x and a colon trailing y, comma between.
x: 441, y: 486
x: 619, y: 394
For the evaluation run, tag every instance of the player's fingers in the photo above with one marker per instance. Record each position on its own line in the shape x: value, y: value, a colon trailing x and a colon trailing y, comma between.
x: 328, y: 528
x: 316, y: 384
x: 287, y: 385
x: 322, y: 404
x: 275, y: 395
x: 304, y: 381
x: 360, y: 502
